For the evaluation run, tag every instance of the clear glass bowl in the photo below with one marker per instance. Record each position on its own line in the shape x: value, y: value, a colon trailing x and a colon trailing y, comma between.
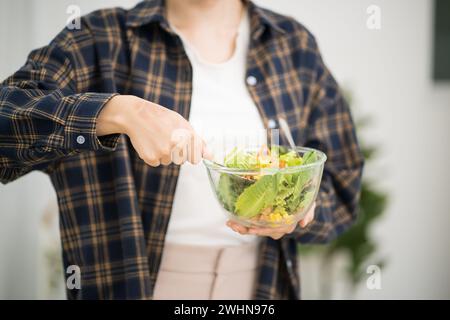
x: 267, y: 197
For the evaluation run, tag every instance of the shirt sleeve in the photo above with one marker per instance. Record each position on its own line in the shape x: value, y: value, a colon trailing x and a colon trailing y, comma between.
x: 331, y: 130
x: 44, y: 114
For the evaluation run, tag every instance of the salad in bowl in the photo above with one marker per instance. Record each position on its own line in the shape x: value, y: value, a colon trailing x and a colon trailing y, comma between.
x: 267, y: 188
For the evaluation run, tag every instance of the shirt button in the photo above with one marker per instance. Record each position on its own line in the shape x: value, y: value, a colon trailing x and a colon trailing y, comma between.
x: 272, y: 124
x: 81, y: 139
x: 289, y: 264
x: 251, y: 80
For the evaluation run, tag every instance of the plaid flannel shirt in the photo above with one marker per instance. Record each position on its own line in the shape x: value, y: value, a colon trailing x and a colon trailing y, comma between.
x: 114, y: 209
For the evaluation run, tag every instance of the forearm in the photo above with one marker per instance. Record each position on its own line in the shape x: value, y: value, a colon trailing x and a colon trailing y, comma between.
x: 38, y: 127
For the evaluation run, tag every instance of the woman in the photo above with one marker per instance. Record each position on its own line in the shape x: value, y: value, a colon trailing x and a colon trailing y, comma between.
x: 97, y: 110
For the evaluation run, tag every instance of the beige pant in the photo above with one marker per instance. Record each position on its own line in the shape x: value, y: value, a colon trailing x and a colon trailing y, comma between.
x: 195, y: 272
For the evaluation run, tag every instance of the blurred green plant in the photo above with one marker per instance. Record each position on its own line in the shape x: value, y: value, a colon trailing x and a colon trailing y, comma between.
x: 357, y: 243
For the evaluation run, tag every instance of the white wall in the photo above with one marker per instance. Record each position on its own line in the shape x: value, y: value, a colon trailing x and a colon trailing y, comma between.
x: 389, y: 74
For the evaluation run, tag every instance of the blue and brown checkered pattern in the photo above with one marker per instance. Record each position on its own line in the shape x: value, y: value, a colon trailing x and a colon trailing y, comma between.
x: 114, y: 209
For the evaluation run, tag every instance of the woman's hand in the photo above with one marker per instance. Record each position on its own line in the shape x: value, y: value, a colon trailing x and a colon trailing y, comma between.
x: 159, y: 135
x: 274, y: 233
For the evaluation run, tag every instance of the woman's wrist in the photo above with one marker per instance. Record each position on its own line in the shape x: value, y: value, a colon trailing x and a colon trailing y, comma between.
x: 111, y: 118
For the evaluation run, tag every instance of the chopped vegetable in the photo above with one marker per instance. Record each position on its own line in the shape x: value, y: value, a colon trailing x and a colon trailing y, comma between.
x: 272, y: 196
x: 258, y: 196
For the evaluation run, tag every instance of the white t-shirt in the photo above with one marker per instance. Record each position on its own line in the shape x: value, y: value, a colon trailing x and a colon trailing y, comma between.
x: 221, y: 110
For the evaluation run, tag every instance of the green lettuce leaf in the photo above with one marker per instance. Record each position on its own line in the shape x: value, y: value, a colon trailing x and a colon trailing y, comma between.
x: 225, y: 192
x: 258, y: 196
x: 229, y: 188
x: 291, y: 158
x: 302, y: 179
x: 240, y: 159
x: 309, y: 157
x: 307, y: 199
x: 284, y: 189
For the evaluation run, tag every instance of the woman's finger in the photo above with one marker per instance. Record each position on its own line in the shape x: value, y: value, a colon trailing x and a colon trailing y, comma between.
x: 308, y: 217
x: 266, y: 233
x: 287, y: 229
x: 180, y: 146
x: 206, y: 153
x: 275, y: 233
x: 237, y: 227
x: 263, y: 232
x: 166, y: 160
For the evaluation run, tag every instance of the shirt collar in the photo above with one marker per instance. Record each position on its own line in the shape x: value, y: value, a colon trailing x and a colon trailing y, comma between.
x: 149, y: 11
x: 146, y: 12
